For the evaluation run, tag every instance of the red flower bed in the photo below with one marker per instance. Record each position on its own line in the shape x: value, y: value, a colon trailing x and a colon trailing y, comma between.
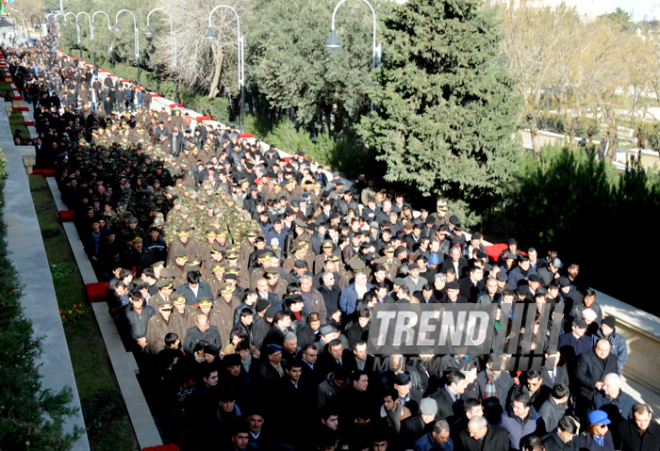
x: 97, y: 292
x: 66, y: 215
x: 29, y: 123
x: 166, y: 447
x: 44, y: 172
x: 246, y: 135
x: 203, y: 118
x: 21, y: 108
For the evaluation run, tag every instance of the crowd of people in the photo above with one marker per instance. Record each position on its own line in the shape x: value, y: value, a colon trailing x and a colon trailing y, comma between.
x: 245, y: 282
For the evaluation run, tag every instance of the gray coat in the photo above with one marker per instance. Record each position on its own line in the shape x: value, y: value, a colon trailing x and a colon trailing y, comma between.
x: 502, y: 386
x: 326, y: 392
x: 551, y: 412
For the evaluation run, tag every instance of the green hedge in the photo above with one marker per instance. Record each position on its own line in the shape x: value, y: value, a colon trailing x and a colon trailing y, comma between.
x: 345, y: 155
x: 584, y: 127
x: 570, y: 202
x: 30, y: 418
x: 649, y: 132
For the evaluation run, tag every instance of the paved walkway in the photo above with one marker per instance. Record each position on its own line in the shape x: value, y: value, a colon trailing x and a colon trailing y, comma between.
x: 28, y: 255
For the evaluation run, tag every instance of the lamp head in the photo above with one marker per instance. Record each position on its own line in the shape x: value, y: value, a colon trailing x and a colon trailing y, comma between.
x: 210, y: 35
x: 332, y: 44
x: 93, y: 26
x: 148, y: 32
x: 117, y: 29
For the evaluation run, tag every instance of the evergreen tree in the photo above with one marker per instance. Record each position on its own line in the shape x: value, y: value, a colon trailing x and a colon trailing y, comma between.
x: 446, y: 107
x: 290, y: 68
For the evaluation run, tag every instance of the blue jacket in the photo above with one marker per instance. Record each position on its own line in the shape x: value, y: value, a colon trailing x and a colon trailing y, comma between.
x: 349, y: 297
x: 571, y: 348
x: 426, y: 443
x: 516, y: 276
x: 519, y: 429
x: 618, y: 410
x: 273, y: 234
x: 204, y: 291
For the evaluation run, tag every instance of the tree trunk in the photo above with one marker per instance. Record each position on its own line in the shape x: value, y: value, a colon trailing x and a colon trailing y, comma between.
x: 612, y: 141
x: 532, y: 120
x: 214, y: 89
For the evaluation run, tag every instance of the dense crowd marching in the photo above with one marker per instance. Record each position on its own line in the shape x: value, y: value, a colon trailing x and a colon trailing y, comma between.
x: 244, y: 283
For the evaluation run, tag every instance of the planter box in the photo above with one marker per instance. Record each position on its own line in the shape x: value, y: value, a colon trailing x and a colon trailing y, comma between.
x: 44, y: 172
x: 67, y: 215
x: 97, y: 292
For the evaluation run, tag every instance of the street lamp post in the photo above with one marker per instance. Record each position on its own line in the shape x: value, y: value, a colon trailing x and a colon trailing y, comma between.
x: 149, y: 33
x: 112, y: 60
x: 332, y: 44
x: 210, y: 35
x: 56, y: 21
x: 78, y: 28
x: 137, y: 40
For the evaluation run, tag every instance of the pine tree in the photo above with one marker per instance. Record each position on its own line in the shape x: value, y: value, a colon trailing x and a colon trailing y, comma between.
x: 446, y: 106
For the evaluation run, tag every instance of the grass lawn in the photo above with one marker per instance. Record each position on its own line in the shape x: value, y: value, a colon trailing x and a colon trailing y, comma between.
x: 6, y: 89
x: 17, y: 122
x: 109, y: 427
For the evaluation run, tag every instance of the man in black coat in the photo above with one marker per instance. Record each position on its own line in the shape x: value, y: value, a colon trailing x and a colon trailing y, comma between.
x: 280, y: 326
x: 472, y: 284
x: 427, y: 296
x: 555, y: 370
x: 335, y: 358
x: 294, y: 401
x: 201, y: 332
x: 641, y: 433
x: 308, y: 355
x: 592, y: 367
x: 450, y: 404
x: 532, y: 386
x: 480, y: 436
x: 412, y: 428
x: 456, y: 262
x: 358, y: 406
